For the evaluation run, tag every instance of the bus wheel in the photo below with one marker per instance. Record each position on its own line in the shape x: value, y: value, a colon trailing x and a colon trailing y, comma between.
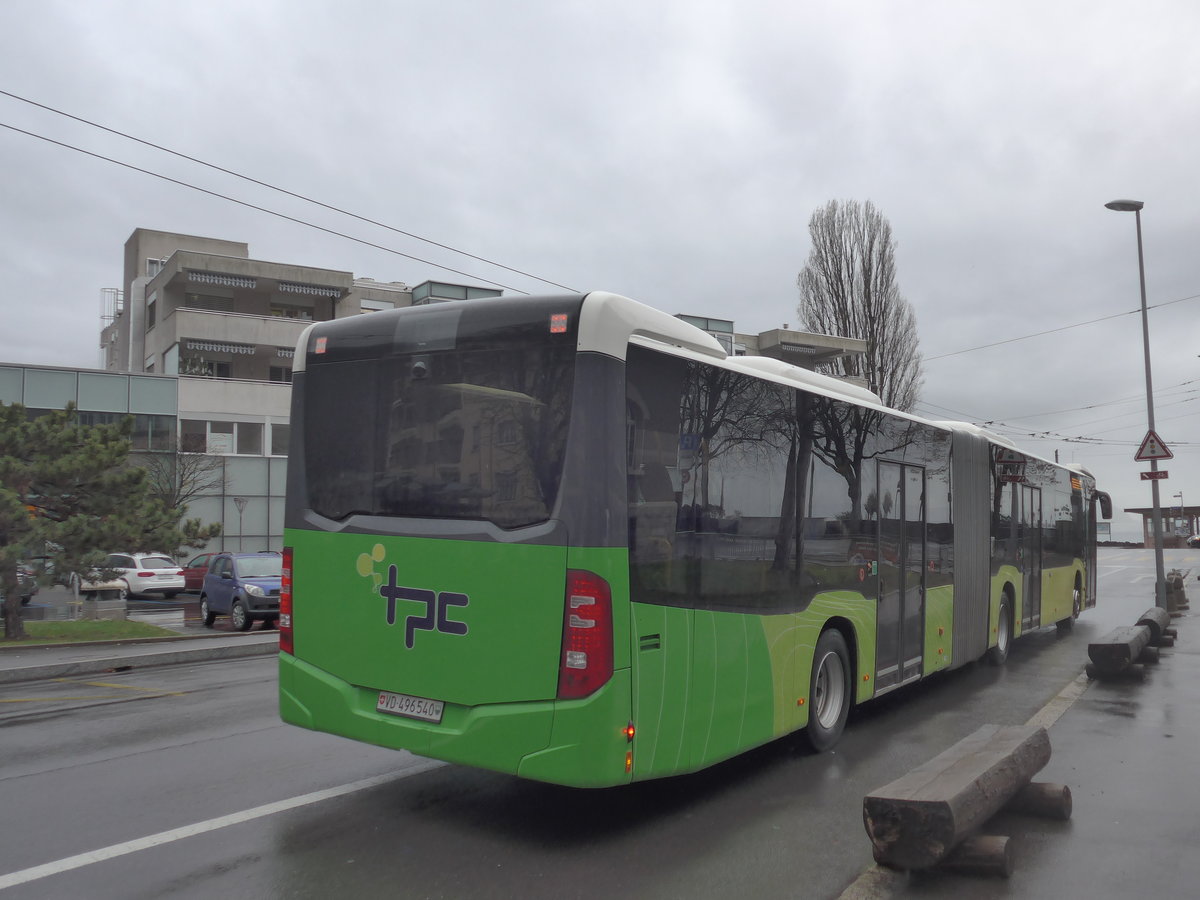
x: 830, y: 691
x: 1064, y: 625
x: 1004, y: 632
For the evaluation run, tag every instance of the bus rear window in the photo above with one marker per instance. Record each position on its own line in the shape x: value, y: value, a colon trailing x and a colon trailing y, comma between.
x: 474, y: 432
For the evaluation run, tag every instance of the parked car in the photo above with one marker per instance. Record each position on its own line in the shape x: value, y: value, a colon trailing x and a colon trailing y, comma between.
x: 26, y: 583
x: 243, y: 586
x: 1194, y: 541
x: 195, y: 570
x: 136, y: 575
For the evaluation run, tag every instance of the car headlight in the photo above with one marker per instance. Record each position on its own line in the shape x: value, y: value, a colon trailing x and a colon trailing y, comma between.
x: 254, y: 590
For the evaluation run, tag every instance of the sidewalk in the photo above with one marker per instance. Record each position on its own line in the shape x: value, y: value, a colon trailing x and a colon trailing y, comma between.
x: 192, y: 643
x: 59, y: 661
x: 1126, y: 750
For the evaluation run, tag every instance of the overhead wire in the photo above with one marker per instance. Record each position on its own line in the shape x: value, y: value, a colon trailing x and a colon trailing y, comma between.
x: 262, y: 209
x: 286, y: 192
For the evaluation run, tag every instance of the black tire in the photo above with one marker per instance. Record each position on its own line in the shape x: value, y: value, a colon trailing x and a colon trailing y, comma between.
x: 207, y: 616
x: 170, y: 595
x: 238, y: 617
x: 268, y: 623
x: 1004, y: 632
x: 830, y: 689
x: 1065, y: 625
x: 125, y: 593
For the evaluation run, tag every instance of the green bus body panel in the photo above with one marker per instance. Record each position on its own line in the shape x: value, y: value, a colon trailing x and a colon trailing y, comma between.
x: 1058, y: 587
x: 513, y: 615
x: 939, y: 628
x: 498, y: 681
x: 709, y: 685
x: 578, y: 742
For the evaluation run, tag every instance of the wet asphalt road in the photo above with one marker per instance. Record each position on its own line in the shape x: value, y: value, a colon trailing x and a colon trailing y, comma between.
x: 95, y: 763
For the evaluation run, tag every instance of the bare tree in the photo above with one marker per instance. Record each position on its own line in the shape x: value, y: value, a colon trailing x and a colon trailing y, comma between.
x: 848, y: 288
x: 179, y: 478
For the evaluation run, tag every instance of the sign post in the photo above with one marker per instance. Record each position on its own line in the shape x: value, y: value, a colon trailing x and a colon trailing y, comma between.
x: 1153, y: 449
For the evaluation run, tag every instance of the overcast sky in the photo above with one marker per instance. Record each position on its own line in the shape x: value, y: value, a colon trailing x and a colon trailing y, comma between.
x: 670, y: 151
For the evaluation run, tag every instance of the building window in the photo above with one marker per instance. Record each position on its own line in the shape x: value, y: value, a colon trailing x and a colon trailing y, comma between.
x: 193, y: 436
x: 153, y: 432
x: 151, y: 311
x: 280, y: 437
x: 205, y: 368
x: 154, y: 266
x: 291, y: 311
x: 249, y: 438
x: 221, y: 438
x: 281, y: 373
x: 209, y: 302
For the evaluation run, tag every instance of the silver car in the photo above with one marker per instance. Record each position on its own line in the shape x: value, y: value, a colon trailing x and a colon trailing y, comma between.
x: 137, y: 575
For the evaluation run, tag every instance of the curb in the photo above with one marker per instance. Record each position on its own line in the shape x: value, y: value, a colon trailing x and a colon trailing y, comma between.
x: 137, y: 661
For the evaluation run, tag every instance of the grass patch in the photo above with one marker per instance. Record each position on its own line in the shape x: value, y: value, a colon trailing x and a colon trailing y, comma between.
x: 73, y: 632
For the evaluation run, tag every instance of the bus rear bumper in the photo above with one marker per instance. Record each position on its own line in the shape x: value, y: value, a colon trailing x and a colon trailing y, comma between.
x: 578, y: 742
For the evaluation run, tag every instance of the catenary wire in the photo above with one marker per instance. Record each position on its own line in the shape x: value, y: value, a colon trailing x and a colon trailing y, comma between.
x: 263, y: 209
x: 284, y: 191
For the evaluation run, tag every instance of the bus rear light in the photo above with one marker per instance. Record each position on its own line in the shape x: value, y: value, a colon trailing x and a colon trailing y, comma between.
x: 587, y: 645
x: 286, y: 642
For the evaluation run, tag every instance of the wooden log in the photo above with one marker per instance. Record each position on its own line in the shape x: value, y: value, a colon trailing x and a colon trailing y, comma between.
x: 1040, y: 798
x: 916, y: 820
x: 1135, y: 672
x: 1119, y: 648
x: 1158, y: 620
x: 982, y: 855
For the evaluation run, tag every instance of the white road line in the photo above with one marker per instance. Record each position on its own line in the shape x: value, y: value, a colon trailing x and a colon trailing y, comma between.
x: 45, y: 870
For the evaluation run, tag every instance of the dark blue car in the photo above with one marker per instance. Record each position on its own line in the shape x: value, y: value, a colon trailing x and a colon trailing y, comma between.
x: 243, y: 586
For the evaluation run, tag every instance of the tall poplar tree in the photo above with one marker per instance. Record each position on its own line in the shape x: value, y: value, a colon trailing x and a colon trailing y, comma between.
x: 848, y: 288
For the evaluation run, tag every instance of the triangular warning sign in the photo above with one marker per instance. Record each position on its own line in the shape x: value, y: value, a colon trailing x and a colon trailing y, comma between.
x: 1153, y: 448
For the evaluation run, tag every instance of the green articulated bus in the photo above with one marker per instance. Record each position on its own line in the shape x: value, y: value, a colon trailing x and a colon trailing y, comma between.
x: 570, y: 538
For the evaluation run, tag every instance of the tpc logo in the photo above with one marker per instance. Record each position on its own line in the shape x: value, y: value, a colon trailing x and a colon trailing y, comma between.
x: 437, y: 605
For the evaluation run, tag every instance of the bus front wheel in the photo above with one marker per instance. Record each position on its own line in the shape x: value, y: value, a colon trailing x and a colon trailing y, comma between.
x: 829, y: 688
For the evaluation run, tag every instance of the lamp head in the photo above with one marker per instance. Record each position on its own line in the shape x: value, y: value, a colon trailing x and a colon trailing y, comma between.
x: 1125, y: 205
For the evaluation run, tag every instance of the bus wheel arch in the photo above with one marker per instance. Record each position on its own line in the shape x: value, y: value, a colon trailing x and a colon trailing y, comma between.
x: 831, y: 687
x: 997, y: 654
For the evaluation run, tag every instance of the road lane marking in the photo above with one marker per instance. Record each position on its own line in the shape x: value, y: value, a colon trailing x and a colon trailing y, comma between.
x: 24, y: 876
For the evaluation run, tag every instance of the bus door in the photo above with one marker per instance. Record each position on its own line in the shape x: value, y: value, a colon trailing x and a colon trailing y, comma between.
x: 901, y: 556
x: 1030, y: 549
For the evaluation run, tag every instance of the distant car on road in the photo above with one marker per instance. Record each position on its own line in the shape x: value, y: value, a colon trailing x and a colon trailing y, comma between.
x: 136, y: 575
x: 1194, y: 541
x: 195, y: 570
x: 243, y: 586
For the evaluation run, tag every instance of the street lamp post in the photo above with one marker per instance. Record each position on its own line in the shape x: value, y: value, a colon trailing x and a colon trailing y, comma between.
x: 1160, y: 577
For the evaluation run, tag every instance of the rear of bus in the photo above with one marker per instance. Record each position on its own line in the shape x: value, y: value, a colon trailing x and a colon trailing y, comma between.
x: 456, y: 579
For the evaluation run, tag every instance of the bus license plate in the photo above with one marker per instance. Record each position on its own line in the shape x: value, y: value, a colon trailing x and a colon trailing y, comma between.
x: 410, y: 707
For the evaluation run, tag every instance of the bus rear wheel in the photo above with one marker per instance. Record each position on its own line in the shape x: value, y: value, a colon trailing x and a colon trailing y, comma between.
x: 1004, y: 632
x: 1068, y: 623
x: 829, y: 688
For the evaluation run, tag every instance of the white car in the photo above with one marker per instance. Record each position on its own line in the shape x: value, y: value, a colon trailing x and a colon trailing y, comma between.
x: 137, y: 574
